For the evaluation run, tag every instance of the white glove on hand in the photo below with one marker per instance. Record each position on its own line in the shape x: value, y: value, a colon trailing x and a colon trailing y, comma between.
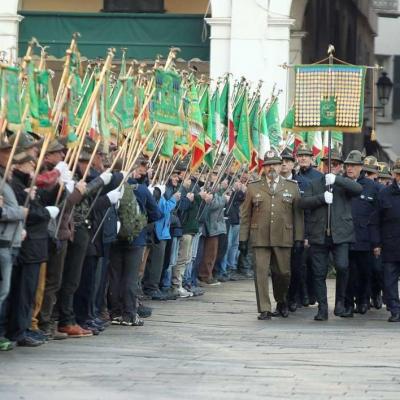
x: 106, y: 177
x: 118, y: 226
x: 328, y: 196
x: 114, y: 196
x: 62, y: 167
x: 330, y: 179
x: 70, y: 185
x: 53, y: 211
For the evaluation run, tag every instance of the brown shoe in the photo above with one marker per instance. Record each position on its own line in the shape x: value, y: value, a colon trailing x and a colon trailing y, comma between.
x: 74, y: 331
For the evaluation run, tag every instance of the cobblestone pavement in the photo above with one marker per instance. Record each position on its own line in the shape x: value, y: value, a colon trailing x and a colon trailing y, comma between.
x: 213, y: 347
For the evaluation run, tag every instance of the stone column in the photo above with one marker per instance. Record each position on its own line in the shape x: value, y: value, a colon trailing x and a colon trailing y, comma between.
x: 220, y: 24
x: 9, y: 23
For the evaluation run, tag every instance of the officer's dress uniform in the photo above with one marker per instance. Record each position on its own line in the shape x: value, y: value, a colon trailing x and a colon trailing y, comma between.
x: 271, y: 222
x: 363, y: 209
x: 389, y: 233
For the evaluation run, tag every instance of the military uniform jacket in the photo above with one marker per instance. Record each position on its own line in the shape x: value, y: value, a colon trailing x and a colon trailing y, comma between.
x: 342, y: 228
x: 363, y: 209
x: 389, y: 222
x: 271, y: 218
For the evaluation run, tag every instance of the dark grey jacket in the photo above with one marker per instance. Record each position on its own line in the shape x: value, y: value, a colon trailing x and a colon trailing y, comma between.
x: 342, y: 229
x: 12, y: 217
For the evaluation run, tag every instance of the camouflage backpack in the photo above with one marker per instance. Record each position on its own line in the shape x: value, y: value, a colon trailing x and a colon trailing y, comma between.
x: 132, y: 219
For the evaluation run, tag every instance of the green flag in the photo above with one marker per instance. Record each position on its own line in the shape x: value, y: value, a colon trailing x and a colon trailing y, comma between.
x: 242, y: 149
x: 11, y: 97
x: 274, y: 127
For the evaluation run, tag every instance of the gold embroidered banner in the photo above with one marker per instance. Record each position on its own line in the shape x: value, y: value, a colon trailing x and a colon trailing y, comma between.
x: 329, y: 97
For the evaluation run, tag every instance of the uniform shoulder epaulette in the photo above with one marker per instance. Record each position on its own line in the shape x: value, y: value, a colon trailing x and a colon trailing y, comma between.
x: 292, y: 180
x: 254, y: 181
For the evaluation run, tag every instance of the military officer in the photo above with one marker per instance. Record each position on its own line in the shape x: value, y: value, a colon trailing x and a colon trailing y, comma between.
x: 296, y: 259
x: 330, y: 196
x: 385, y: 178
x: 272, y: 223
x: 371, y: 171
x: 388, y: 220
x: 309, y: 173
x: 361, y: 260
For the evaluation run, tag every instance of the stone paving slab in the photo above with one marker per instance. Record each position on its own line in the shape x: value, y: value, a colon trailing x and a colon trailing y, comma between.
x: 213, y: 347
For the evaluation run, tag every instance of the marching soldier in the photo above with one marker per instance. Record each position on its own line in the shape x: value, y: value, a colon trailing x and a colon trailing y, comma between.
x: 330, y: 235
x: 296, y: 260
x: 308, y: 173
x: 361, y: 261
x: 272, y: 223
x: 388, y: 219
x: 384, y: 176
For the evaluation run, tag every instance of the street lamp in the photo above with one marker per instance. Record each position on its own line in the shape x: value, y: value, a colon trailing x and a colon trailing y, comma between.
x: 384, y: 86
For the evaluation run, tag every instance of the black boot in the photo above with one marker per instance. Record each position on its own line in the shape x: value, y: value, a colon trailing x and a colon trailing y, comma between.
x: 339, y: 309
x: 348, y: 312
x: 322, y: 314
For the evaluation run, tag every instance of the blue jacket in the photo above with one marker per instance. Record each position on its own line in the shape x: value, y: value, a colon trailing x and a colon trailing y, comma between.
x: 162, y: 225
x: 310, y: 174
x: 149, y: 206
x: 363, y: 209
x: 389, y: 222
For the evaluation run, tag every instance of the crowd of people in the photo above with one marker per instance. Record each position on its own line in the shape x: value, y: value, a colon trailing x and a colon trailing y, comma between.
x: 82, y: 251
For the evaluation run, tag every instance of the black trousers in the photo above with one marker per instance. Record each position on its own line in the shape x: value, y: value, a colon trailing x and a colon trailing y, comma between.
x: 307, y: 279
x: 84, y: 299
x: 24, y: 283
x: 71, y: 276
x: 123, y: 286
x: 296, y: 273
x: 320, y: 266
x: 391, y: 278
x: 358, y: 286
x: 102, y: 284
x: 377, y: 280
x: 154, y: 266
x: 54, y: 273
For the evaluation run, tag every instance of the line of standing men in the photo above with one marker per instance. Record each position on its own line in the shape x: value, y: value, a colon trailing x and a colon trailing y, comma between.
x: 308, y: 221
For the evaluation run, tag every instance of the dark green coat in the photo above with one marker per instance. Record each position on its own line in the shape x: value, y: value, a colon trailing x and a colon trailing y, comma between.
x: 342, y: 229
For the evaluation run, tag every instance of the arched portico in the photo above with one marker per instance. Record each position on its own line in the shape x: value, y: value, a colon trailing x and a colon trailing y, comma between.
x: 9, y: 22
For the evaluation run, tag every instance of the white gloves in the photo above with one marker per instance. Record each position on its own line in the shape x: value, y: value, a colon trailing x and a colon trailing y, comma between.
x: 69, y: 185
x: 328, y: 196
x: 62, y: 166
x: 114, y: 196
x: 53, y: 211
x: 330, y: 179
x: 106, y: 177
x: 118, y: 226
x: 65, y: 173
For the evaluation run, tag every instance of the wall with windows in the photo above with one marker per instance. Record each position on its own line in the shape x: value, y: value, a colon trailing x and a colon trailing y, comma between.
x: 171, y: 6
x: 387, y: 54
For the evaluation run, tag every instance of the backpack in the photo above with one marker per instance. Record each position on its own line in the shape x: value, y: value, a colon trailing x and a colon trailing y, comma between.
x: 132, y: 219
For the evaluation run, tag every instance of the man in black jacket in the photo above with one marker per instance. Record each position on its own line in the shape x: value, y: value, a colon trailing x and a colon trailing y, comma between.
x: 33, y: 252
x: 331, y: 230
x: 389, y: 234
x: 360, y: 257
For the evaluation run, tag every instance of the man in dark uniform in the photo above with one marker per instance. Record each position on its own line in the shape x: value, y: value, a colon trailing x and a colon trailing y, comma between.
x: 308, y: 173
x: 389, y: 233
x: 272, y: 221
x: 330, y: 230
x: 363, y: 208
x: 296, y: 259
x: 371, y: 171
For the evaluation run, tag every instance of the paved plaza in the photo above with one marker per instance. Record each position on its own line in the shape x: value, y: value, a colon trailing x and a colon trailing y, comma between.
x: 213, y: 347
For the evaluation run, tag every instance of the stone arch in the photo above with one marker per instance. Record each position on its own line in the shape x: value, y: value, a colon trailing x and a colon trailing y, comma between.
x: 9, y: 21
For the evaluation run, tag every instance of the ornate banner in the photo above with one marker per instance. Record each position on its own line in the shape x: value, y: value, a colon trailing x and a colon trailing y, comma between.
x: 329, y: 97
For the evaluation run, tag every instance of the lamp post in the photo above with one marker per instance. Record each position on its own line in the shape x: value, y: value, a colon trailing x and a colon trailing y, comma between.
x: 384, y: 87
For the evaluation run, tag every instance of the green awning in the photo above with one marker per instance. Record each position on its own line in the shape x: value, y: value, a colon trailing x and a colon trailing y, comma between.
x: 145, y: 35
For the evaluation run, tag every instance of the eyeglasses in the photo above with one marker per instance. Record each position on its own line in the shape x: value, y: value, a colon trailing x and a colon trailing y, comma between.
x: 333, y: 163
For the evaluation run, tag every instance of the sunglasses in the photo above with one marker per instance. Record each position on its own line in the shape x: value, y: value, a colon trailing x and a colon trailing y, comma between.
x: 333, y: 163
